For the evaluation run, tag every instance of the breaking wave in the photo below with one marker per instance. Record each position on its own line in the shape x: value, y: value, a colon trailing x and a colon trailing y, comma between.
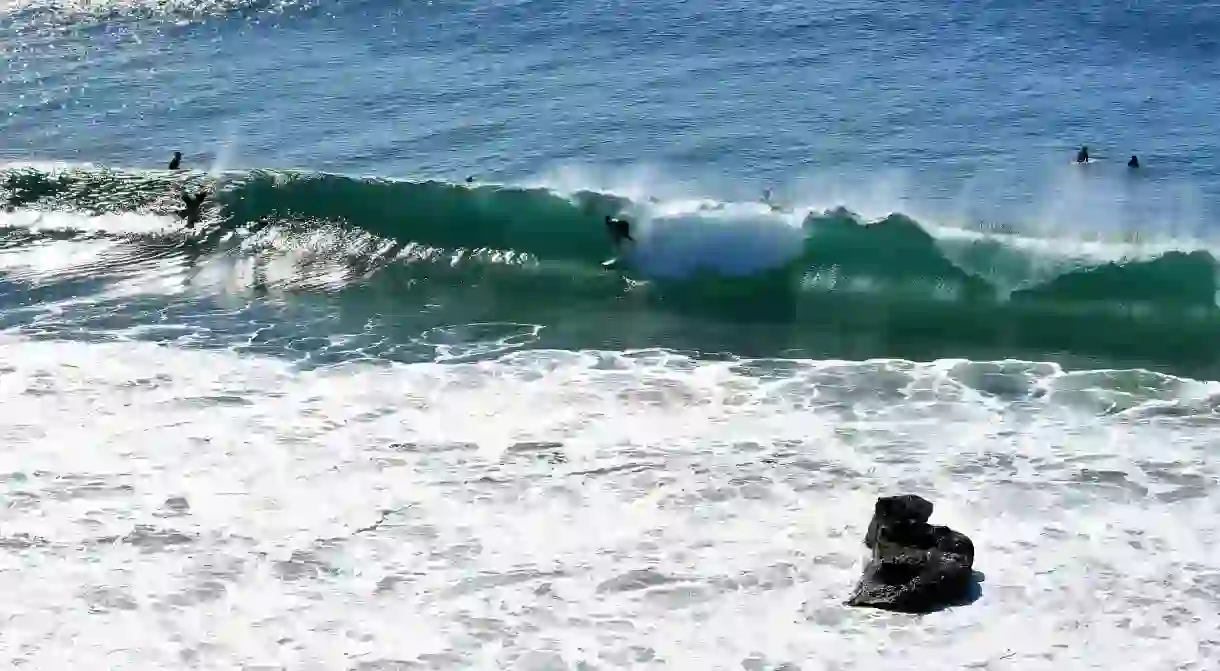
x: 724, y: 260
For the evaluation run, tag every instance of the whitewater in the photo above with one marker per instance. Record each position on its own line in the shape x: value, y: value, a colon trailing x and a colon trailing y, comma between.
x: 547, y: 510
x: 383, y: 408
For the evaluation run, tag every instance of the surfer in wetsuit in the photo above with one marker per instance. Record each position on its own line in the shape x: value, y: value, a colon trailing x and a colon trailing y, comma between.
x: 1082, y: 156
x: 176, y: 162
x: 193, y: 203
x: 1134, y: 162
x: 619, y: 229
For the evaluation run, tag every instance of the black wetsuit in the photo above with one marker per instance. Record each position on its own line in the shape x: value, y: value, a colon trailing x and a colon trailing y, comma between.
x: 191, y: 211
x: 620, y: 229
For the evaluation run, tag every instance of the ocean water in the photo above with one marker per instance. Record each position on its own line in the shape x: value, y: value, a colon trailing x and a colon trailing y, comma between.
x: 383, y: 408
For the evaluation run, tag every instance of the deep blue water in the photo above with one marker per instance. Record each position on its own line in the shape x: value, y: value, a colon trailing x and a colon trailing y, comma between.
x: 742, y: 91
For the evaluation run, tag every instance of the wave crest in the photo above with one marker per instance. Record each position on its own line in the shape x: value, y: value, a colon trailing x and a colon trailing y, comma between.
x: 678, y: 241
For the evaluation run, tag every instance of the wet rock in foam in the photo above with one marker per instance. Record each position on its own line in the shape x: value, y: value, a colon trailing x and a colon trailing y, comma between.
x: 915, y: 567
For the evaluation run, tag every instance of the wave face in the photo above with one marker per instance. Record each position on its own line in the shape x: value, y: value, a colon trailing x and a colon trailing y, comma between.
x: 826, y: 280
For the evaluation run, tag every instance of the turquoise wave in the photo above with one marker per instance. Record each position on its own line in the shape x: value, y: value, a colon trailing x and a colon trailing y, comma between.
x: 886, y: 281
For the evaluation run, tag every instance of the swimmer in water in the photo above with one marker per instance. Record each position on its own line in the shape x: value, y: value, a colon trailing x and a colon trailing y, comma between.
x: 619, y: 229
x: 1082, y: 156
x: 193, y: 203
x: 1134, y: 162
x: 176, y: 162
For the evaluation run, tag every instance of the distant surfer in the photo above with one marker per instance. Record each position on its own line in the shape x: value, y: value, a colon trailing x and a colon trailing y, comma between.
x: 193, y: 203
x: 619, y: 229
x: 176, y: 162
x: 470, y: 180
x: 1082, y: 156
x: 1134, y: 162
x: 766, y: 198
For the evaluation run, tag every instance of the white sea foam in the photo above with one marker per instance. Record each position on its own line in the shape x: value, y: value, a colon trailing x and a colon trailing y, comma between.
x: 117, y: 224
x: 613, y: 510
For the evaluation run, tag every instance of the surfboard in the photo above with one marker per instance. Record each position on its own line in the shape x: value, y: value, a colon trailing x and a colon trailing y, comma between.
x: 610, y: 263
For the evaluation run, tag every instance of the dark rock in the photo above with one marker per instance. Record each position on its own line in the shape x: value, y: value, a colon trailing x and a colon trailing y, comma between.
x: 897, y: 509
x: 915, y: 567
